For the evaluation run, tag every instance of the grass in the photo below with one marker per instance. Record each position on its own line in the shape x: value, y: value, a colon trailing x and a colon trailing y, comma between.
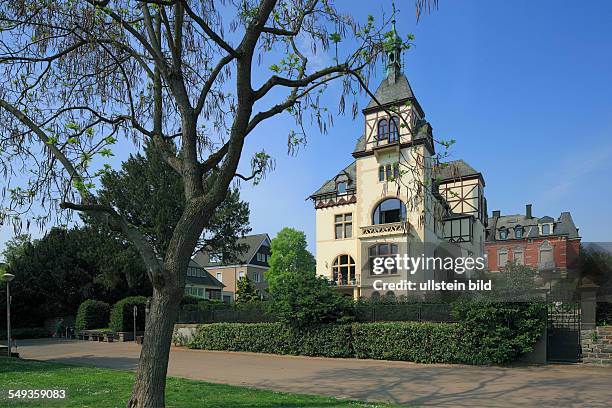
x: 98, y: 387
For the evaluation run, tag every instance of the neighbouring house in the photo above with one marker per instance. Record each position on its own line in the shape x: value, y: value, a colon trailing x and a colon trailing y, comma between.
x: 548, y: 245
x: 395, y: 197
x: 253, y: 262
x: 200, y: 283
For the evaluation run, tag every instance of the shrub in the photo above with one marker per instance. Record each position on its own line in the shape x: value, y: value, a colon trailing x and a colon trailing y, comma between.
x: 27, y: 333
x: 275, y: 338
x: 604, y: 313
x: 488, y: 333
x: 303, y: 299
x: 122, y: 315
x: 410, y: 341
x: 499, y: 332
x: 189, y: 300
x: 92, y: 314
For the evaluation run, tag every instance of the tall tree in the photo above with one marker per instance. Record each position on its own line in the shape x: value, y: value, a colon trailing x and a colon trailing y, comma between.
x: 54, y: 274
x: 149, y: 192
x: 289, y: 257
x: 82, y: 73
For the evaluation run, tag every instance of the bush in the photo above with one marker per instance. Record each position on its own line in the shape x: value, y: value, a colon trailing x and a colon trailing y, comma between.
x: 122, y: 315
x: 410, y: 341
x: 303, y: 299
x: 488, y: 333
x: 27, y: 333
x: 92, y: 314
x: 604, y: 313
x: 275, y: 338
x: 499, y: 332
x: 189, y: 300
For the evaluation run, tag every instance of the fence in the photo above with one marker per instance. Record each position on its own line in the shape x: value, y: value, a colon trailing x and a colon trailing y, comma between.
x: 433, y: 312
x: 229, y: 315
x: 418, y: 312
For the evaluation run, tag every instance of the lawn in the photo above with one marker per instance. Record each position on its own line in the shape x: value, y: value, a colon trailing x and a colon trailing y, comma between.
x: 97, y: 387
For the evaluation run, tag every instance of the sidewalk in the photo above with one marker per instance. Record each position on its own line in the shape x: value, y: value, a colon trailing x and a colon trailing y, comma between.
x: 399, y: 382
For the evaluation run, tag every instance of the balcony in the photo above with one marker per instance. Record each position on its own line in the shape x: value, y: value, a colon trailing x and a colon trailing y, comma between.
x: 344, y: 283
x: 394, y: 228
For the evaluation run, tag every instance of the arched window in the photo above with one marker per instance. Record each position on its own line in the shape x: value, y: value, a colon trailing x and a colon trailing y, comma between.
x: 394, y: 129
x: 382, y: 251
x: 383, y: 129
x: 344, y: 270
x: 388, y: 211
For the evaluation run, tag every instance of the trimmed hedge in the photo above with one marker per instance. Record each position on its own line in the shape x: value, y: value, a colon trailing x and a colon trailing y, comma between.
x: 122, y: 315
x: 489, y: 333
x: 275, y: 338
x: 92, y: 314
x: 410, y: 341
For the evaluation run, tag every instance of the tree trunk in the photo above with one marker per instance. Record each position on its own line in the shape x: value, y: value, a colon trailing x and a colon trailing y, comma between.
x: 150, y: 386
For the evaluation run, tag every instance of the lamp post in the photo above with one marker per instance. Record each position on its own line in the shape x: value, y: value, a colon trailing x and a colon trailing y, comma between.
x: 8, y: 277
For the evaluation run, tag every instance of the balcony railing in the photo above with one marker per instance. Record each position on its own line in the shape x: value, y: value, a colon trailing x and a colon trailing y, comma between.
x: 386, y: 229
x: 546, y: 266
x: 344, y: 282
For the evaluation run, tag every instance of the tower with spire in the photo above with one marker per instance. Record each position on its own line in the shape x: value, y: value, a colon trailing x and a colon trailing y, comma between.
x: 389, y: 200
x: 394, y: 55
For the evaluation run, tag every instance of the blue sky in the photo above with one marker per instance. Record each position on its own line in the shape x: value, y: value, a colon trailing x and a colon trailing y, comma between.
x: 524, y: 87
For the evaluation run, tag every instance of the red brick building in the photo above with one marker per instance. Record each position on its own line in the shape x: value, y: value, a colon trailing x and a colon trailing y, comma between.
x: 551, y: 246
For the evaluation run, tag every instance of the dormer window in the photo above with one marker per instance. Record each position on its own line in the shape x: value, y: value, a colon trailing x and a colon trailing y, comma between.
x: 383, y: 129
x: 518, y: 232
x: 341, y: 187
x: 503, y: 233
x: 546, y: 229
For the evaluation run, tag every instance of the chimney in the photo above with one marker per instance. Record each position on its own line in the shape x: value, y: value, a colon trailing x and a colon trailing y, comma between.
x: 528, y: 211
x: 496, y: 214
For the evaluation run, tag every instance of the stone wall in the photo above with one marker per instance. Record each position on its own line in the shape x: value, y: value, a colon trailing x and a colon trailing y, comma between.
x: 597, y: 345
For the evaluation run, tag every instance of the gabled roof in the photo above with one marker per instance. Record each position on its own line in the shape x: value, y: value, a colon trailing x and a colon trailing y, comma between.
x: 207, y: 279
x: 330, y: 185
x: 389, y: 92
x: 253, y: 242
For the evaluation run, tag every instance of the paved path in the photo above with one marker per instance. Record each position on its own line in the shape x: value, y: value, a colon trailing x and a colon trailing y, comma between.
x: 405, y: 383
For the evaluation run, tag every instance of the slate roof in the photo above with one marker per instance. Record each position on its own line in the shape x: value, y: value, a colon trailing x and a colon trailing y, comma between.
x: 390, y: 92
x: 253, y: 242
x: 330, y: 185
x: 448, y: 170
x: 207, y: 279
x: 564, y: 225
x: 453, y: 170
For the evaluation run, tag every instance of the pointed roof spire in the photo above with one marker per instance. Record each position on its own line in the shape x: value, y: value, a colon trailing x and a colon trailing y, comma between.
x: 394, y: 52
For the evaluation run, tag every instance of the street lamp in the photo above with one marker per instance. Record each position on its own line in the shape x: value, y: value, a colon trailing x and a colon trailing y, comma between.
x: 8, y: 277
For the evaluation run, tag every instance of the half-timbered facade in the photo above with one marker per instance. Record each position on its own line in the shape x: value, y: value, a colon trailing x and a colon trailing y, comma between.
x: 395, y: 198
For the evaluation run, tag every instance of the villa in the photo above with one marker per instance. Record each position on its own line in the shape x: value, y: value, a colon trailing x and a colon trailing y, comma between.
x: 395, y: 197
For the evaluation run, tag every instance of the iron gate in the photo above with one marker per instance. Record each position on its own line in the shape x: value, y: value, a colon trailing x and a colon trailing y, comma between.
x: 563, y: 342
